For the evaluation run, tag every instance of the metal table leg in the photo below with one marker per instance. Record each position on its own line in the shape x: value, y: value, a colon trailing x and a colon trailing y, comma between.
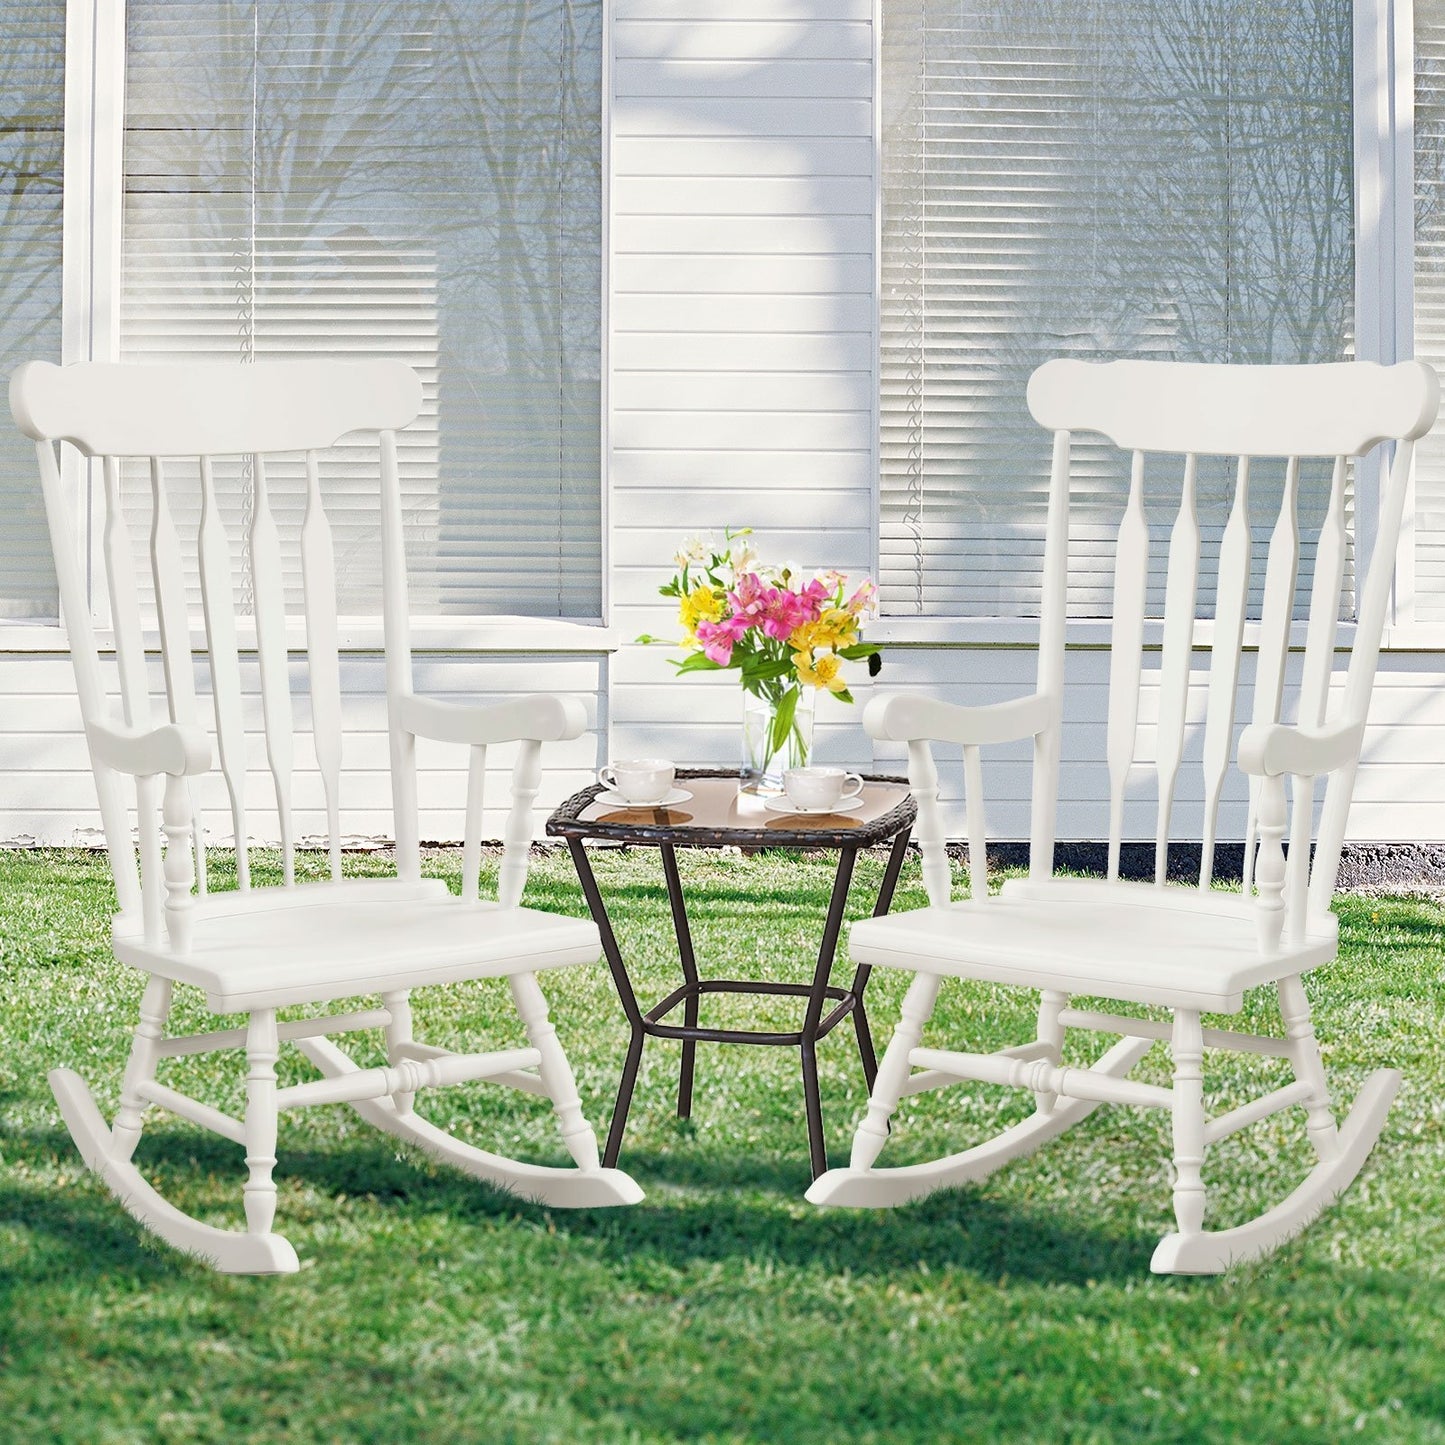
x: 812, y: 1100
x: 628, y: 998
x: 863, y: 972
x: 689, y: 973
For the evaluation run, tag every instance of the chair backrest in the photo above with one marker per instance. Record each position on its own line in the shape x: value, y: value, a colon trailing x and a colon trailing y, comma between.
x: 1242, y: 413
x: 199, y: 415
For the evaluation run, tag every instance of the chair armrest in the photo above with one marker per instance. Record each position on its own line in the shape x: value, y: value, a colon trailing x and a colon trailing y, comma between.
x: 1269, y: 749
x: 902, y: 717
x: 143, y: 752
x: 538, y: 717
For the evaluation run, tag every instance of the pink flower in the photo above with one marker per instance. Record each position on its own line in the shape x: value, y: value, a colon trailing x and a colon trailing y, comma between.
x: 862, y: 599
x: 785, y: 611
x: 748, y: 597
x: 717, y: 638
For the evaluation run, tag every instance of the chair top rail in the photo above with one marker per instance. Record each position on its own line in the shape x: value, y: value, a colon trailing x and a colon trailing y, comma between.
x: 212, y: 409
x: 1328, y: 409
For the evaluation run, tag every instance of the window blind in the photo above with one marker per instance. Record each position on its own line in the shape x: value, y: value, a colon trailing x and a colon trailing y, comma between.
x: 32, y: 71
x: 421, y: 180
x: 1430, y: 299
x: 1094, y: 178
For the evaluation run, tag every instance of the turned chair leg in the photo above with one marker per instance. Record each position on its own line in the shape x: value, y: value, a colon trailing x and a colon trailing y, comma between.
x: 140, y: 1069
x: 1309, y: 1068
x: 1188, y: 1049
x: 556, y: 1072
x: 1051, y: 1032
x: 398, y: 1034
x: 894, y: 1070
x: 262, y: 1051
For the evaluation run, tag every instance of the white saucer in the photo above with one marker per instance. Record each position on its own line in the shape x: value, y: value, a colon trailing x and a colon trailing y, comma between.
x: 668, y: 800
x: 784, y: 805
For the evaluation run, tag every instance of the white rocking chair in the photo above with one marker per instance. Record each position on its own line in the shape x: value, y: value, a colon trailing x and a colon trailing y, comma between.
x: 1188, y: 950
x: 257, y: 949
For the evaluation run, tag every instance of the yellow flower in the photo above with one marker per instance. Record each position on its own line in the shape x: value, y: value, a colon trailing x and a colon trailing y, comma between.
x: 702, y: 604
x: 825, y: 670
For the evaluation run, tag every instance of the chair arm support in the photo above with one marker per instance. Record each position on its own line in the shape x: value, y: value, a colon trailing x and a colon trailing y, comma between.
x: 143, y: 752
x: 906, y: 717
x: 538, y: 717
x: 1269, y: 749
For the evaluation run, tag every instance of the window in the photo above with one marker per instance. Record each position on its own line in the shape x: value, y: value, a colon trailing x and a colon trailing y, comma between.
x: 1429, y: 279
x: 32, y: 68
x: 1117, y: 177
x: 422, y: 180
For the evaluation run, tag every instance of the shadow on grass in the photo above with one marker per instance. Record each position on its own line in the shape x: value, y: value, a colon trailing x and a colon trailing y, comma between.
x: 740, y: 1210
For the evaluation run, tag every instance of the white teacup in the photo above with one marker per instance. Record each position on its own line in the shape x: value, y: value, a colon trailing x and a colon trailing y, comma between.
x: 815, y: 788
x: 639, y: 780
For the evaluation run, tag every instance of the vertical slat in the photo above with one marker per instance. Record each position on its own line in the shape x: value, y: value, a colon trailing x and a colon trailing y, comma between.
x: 472, y: 836
x: 179, y: 874
x: 1297, y: 865
x: 396, y: 629
x: 270, y: 612
x: 1180, y: 596
x: 1126, y: 644
x: 173, y: 617
x: 125, y: 621
x: 1324, y: 616
x: 923, y: 782
x: 1360, y: 680
x: 318, y: 574
x: 517, y: 840
x: 1052, y: 619
x: 70, y: 580
x: 977, y: 824
x: 1281, y: 570
x: 148, y: 825
x: 218, y: 598
x: 1232, y: 594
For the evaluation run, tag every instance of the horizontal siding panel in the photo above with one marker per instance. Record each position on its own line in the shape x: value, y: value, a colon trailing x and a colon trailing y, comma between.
x: 682, y: 14
x: 760, y: 314
x: 744, y: 390
x: 742, y: 155
x: 800, y: 471
x: 747, y: 79
x: 742, y: 39
x: 714, y: 508
x: 761, y: 275
x: 751, y: 431
x: 660, y: 352
x: 781, y: 120
x: 755, y: 234
x: 744, y: 195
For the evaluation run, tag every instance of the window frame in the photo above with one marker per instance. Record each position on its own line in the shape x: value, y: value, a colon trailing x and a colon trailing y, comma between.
x: 1383, y: 103
x: 92, y: 209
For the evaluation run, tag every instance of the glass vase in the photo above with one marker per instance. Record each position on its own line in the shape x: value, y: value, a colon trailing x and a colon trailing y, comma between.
x: 777, y: 734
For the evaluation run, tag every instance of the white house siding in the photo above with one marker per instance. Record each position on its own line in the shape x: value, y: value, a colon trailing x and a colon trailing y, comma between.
x: 741, y: 388
x: 741, y: 323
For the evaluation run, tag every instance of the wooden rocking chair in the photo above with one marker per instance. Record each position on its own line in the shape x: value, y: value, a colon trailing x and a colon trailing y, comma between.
x: 258, y: 949
x: 1185, y: 949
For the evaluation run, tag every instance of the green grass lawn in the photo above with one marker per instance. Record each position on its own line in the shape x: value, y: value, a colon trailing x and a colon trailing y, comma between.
x: 725, y: 1307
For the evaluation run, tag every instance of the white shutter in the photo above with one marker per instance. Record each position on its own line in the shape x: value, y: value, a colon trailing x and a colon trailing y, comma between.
x: 1430, y: 299
x: 1115, y: 177
x: 420, y: 180
x: 32, y: 70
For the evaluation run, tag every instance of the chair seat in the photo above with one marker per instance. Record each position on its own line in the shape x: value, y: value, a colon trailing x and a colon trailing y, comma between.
x: 1176, y: 947
x: 271, y: 946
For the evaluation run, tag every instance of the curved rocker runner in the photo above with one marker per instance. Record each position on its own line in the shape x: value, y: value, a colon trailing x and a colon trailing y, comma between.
x: 1191, y: 951
x: 256, y: 950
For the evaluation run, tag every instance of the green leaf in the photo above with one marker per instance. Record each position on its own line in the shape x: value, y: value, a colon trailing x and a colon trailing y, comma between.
x: 783, y: 720
x: 858, y: 651
x: 697, y: 662
x: 843, y: 695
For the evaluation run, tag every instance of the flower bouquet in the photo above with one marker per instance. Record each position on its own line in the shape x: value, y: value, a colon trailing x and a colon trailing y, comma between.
x: 785, y: 635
